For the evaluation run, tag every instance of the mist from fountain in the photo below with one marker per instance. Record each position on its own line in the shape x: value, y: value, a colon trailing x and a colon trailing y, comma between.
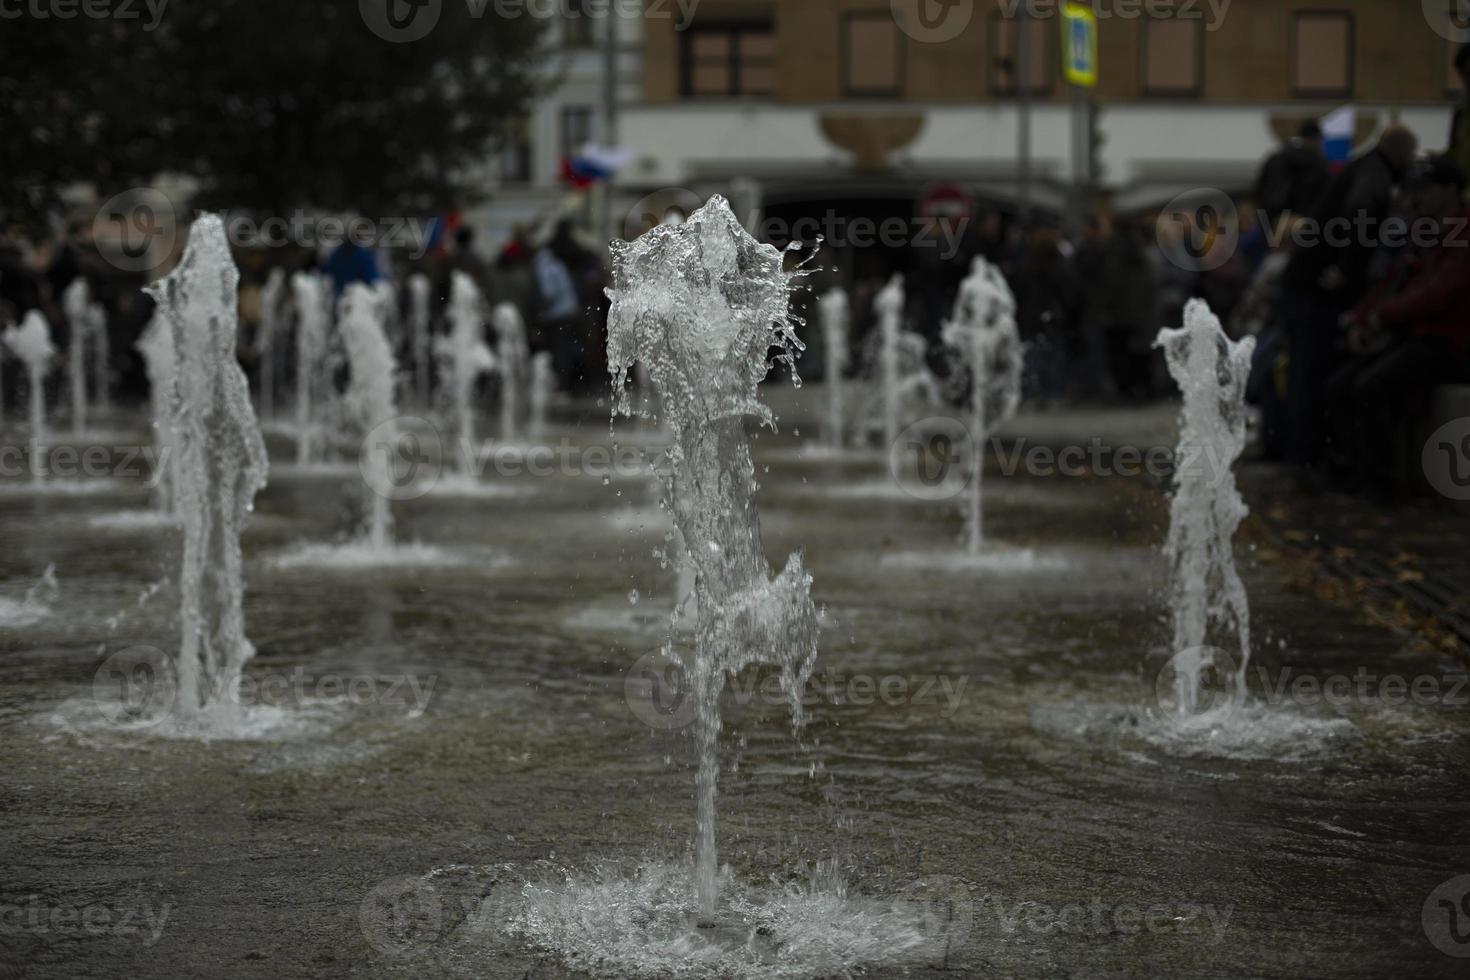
x: 31, y: 342
x: 221, y: 465
x: 101, y: 357
x: 1205, y: 590
x: 982, y: 329
x: 700, y: 305
x: 834, y: 312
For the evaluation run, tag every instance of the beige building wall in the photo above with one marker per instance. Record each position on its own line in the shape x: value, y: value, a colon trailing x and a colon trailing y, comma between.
x: 1248, y: 58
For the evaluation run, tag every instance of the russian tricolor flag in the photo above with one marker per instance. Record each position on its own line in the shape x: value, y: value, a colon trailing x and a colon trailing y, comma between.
x: 594, y: 163
x: 1338, y: 129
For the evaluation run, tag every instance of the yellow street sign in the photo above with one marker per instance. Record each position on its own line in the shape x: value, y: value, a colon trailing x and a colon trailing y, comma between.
x: 1079, y: 45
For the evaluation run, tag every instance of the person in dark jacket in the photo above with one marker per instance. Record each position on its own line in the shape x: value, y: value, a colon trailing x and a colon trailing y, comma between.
x: 1459, y: 145
x: 1409, y: 335
x: 1326, y: 276
x: 1294, y: 176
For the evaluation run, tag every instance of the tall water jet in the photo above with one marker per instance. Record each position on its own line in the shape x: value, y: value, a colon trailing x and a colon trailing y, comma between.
x: 75, y: 302
x: 221, y: 462
x: 419, y: 289
x: 157, y: 347
x: 982, y: 329
x: 512, y: 353
x: 834, y: 313
x: 101, y: 356
x: 889, y: 306
x: 1204, y: 588
x: 31, y: 342
x: 272, y: 313
x: 371, y: 397
x: 700, y: 305
x: 464, y: 356
x: 310, y: 294
x: 543, y: 384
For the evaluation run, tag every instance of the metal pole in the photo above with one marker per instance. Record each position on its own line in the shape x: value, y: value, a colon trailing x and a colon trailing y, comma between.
x: 1023, y: 113
x: 609, y: 117
x: 1077, y: 211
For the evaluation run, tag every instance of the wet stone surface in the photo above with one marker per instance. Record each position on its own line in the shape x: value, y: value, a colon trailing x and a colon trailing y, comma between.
x: 980, y: 761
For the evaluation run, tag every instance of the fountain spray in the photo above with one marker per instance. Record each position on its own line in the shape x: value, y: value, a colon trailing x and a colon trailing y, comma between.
x: 543, y: 383
x: 1204, y: 587
x: 982, y: 329
x: 75, y: 300
x: 700, y: 305
x: 889, y: 306
x: 157, y: 347
x: 418, y: 325
x: 465, y: 357
x: 371, y: 394
x: 31, y: 342
x: 510, y: 336
x: 834, y: 313
x: 221, y: 465
x: 101, y: 357
x: 310, y: 293
x: 272, y: 295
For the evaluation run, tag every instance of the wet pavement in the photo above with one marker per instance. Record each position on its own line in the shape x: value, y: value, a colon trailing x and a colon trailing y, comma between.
x: 981, y: 754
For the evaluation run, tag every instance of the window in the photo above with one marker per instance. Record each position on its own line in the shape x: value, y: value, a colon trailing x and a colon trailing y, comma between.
x: 1322, y: 55
x: 1173, y: 57
x: 515, y: 156
x: 872, y: 55
x: 578, y: 29
x: 729, y: 60
x: 1005, y: 33
x: 576, y: 129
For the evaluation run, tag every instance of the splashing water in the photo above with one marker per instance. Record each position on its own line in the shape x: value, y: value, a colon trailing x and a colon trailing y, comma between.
x: 75, y: 302
x: 35, y: 605
x: 543, y: 384
x: 221, y: 466
x: 157, y: 347
x: 31, y: 342
x: 418, y: 325
x: 510, y: 337
x: 982, y: 329
x: 1204, y: 588
x: 310, y: 294
x: 370, y: 395
x: 834, y: 313
x: 101, y: 356
x: 700, y: 305
x: 464, y: 356
x: 272, y: 299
